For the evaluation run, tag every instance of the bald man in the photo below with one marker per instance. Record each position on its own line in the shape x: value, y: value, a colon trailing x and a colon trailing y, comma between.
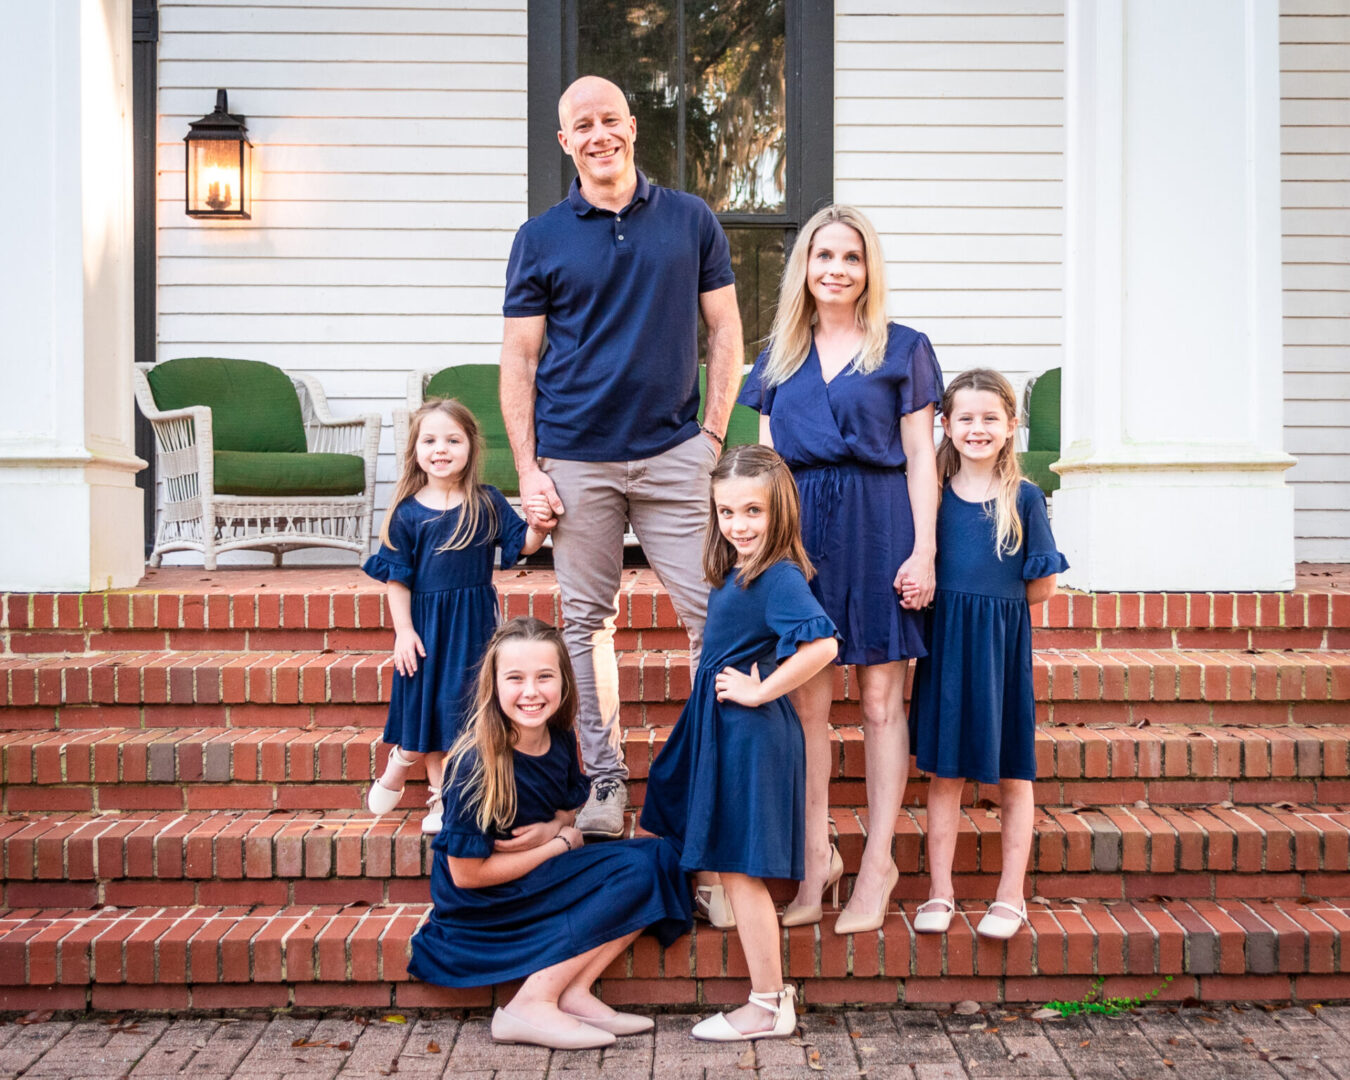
x: 599, y: 383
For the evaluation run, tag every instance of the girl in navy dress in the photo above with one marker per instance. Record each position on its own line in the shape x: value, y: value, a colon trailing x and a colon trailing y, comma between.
x: 973, y: 710
x: 728, y: 786
x: 847, y: 398
x: 436, y: 548
x: 515, y: 891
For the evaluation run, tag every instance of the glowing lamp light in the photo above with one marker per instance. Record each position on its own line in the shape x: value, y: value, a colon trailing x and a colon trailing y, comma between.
x: 218, y: 162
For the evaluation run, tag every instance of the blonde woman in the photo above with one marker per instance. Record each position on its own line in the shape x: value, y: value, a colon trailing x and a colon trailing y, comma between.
x: 848, y: 400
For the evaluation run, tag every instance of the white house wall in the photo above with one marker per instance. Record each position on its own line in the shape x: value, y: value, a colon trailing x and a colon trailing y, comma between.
x: 1315, y: 116
x: 389, y: 145
x: 390, y: 152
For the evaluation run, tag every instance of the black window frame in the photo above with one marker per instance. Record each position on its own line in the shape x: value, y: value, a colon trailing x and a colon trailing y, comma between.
x: 809, y: 107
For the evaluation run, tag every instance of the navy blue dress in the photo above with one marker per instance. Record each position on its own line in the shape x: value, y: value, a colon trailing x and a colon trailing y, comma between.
x: 454, y: 611
x: 842, y: 441
x: 972, y: 713
x: 729, y: 786
x: 560, y: 909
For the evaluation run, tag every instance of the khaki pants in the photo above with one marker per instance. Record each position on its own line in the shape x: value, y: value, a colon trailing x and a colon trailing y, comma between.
x: 665, y: 498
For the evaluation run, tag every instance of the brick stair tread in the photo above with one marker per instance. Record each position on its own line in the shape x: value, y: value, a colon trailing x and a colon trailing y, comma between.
x: 189, y: 598
x: 289, y: 755
x: 282, y: 677
x: 1280, y: 842
x: 364, y: 944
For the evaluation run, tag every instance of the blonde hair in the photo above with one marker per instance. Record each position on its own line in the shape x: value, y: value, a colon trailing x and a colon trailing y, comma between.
x: 1007, y: 469
x: 790, y: 338
x: 477, y: 508
x: 782, y: 537
x: 483, y: 749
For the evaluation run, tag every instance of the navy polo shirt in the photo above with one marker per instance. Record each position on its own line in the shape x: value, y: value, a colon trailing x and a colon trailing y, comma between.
x: 618, y: 380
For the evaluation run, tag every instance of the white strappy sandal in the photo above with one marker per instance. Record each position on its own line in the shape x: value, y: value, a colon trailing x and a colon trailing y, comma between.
x: 1002, y: 927
x: 719, y: 1029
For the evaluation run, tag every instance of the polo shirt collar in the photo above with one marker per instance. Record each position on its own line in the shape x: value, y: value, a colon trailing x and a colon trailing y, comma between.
x: 581, y: 207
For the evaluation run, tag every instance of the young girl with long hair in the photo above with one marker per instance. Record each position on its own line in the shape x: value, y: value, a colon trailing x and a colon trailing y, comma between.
x: 847, y: 398
x: 436, y: 547
x: 728, y: 787
x: 516, y: 892
x: 973, y: 709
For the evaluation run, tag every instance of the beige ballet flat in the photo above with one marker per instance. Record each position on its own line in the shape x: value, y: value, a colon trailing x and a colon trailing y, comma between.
x: 512, y: 1029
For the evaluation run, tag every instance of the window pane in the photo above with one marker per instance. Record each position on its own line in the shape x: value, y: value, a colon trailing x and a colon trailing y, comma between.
x: 635, y: 46
x: 757, y: 261
x: 735, y: 118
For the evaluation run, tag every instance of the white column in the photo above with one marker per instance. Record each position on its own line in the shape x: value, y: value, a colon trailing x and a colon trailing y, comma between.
x: 1172, y: 460
x: 68, y: 500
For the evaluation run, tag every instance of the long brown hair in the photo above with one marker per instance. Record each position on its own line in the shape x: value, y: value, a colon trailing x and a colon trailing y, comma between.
x: 476, y: 508
x: 483, y: 749
x: 782, y: 538
x: 790, y: 338
x: 1007, y: 469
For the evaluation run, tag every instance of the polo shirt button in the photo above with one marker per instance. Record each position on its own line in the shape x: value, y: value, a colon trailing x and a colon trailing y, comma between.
x: 620, y: 236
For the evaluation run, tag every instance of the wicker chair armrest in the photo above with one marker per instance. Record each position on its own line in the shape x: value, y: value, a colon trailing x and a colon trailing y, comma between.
x: 417, y: 388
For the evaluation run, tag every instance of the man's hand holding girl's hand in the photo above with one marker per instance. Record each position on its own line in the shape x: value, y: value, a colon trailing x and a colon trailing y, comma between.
x: 407, y: 648
x: 743, y: 689
x: 539, y: 513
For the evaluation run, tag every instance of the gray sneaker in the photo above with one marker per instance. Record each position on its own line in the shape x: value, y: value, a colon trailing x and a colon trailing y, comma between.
x: 603, y: 813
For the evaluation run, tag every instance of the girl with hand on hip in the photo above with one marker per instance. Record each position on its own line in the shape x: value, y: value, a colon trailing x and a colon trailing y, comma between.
x: 728, y: 787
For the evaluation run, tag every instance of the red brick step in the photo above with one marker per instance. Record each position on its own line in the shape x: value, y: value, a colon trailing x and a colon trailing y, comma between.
x: 314, y: 955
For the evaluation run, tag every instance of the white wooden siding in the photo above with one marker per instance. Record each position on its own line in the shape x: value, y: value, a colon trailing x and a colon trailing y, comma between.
x: 1315, y: 158
x: 389, y: 144
x: 949, y: 131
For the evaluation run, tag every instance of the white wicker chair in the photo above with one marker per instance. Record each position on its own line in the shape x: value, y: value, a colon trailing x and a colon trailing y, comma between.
x: 191, y: 516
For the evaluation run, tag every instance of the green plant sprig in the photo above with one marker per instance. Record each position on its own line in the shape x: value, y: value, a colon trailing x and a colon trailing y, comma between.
x: 1094, y: 1002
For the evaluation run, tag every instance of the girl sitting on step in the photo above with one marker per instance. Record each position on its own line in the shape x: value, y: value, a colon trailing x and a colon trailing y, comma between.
x: 729, y: 786
x: 516, y: 891
x: 973, y: 709
x: 436, y: 547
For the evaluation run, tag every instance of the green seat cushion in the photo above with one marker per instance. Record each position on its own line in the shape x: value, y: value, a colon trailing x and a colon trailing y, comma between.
x: 253, y: 405
x: 1043, y: 412
x: 743, y: 427
x: 241, y: 472
x: 1036, y: 468
x: 475, y: 386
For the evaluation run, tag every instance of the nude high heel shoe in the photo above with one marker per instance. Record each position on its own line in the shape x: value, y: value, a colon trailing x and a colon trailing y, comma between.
x: 851, y: 922
x: 711, y: 903
x: 806, y: 914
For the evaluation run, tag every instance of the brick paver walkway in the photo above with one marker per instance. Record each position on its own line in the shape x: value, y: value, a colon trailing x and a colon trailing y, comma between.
x: 1223, y: 1043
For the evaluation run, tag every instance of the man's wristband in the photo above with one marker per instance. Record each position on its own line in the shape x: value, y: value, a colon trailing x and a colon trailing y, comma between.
x: 709, y: 431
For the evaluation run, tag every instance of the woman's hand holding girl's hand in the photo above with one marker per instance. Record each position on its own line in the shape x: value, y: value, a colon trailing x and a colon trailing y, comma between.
x: 525, y: 837
x: 916, y: 582
x: 407, y: 648
x: 743, y: 689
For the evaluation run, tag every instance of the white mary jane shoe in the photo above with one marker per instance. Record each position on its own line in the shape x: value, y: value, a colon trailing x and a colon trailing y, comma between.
x: 380, y: 799
x: 431, y: 824
x: 937, y: 921
x: 994, y: 925
x: 719, y: 1029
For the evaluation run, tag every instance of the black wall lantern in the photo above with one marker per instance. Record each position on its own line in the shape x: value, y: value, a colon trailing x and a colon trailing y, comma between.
x: 218, y: 160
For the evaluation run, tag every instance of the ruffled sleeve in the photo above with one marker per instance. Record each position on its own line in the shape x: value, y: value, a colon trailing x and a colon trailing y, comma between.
x: 792, y: 612
x: 512, y: 531
x: 395, y: 561
x: 460, y: 837
x: 754, y: 393
x: 923, y: 385
x: 1042, y: 558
